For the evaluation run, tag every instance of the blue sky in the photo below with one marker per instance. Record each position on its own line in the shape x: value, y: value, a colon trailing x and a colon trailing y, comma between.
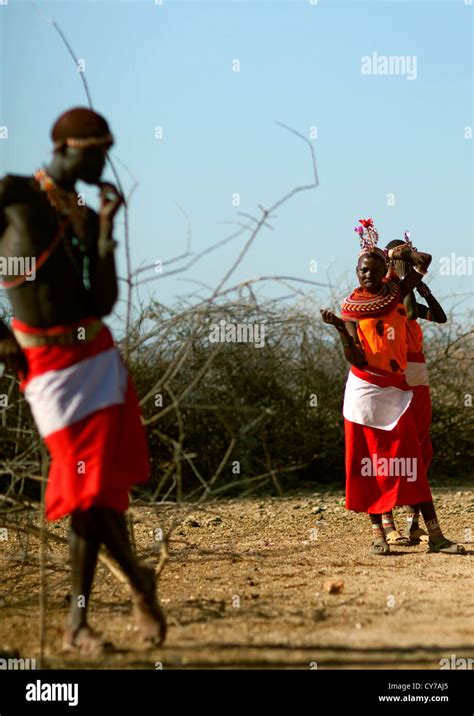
x: 170, y: 65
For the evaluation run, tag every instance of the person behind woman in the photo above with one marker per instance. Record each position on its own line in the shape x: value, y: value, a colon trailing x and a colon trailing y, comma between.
x: 417, y: 378
x: 384, y: 465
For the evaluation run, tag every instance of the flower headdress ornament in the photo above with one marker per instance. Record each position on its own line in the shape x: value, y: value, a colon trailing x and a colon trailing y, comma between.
x: 397, y: 251
x: 408, y: 244
x: 369, y: 237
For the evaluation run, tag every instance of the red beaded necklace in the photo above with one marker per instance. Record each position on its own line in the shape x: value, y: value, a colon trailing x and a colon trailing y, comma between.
x: 361, y: 304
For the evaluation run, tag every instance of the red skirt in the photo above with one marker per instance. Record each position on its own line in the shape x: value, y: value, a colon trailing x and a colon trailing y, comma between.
x: 368, y: 452
x: 86, y: 408
x: 384, y: 468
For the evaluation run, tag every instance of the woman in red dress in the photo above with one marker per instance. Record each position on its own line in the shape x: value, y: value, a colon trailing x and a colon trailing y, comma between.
x: 384, y: 463
x: 417, y: 378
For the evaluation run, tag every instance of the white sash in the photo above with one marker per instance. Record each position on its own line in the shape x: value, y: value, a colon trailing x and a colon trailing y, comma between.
x: 59, y: 398
x: 373, y: 406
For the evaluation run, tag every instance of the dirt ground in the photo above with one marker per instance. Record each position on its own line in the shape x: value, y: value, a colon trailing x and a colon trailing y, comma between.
x: 245, y: 586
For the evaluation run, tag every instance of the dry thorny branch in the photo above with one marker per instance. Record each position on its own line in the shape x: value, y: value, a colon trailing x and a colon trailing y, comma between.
x: 210, y: 410
x: 20, y: 466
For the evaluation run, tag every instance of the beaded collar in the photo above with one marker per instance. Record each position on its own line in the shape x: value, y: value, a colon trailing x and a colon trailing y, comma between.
x: 361, y: 304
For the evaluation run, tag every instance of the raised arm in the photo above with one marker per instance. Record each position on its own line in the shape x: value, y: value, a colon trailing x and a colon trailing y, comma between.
x: 434, y: 311
x: 419, y: 261
x: 102, y: 271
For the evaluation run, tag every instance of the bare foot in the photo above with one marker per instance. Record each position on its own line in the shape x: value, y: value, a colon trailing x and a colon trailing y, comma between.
x: 149, y: 616
x: 86, y: 641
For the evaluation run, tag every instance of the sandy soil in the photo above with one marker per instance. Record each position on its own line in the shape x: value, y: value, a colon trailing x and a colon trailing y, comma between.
x: 245, y: 586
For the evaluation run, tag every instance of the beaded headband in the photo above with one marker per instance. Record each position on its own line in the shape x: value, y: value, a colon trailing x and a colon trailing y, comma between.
x: 83, y: 143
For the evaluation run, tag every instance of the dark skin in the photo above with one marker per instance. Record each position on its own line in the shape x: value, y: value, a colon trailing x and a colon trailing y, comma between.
x: 58, y: 296
x: 433, y: 312
x: 27, y: 225
x: 371, y: 271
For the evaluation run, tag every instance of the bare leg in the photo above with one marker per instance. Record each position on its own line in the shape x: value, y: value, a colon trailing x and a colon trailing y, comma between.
x: 114, y: 535
x: 84, y: 547
x: 392, y: 535
x: 388, y: 523
x: 413, y: 530
x: 83, y: 550
x: 379, y: 543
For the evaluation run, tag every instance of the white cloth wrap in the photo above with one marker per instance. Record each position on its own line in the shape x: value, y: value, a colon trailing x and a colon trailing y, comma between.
x: 58, y: 398
x: 369, y: 404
